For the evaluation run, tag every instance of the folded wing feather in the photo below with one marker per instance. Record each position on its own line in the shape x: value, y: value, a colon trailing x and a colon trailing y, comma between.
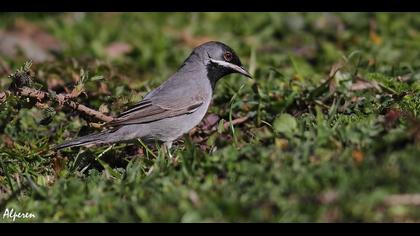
x: 149, y: 111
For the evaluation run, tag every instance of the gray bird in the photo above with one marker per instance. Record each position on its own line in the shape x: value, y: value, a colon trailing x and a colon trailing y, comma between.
x: 176, y: 106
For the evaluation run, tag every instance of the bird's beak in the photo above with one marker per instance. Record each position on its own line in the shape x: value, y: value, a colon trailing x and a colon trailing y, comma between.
x: 239, y: 69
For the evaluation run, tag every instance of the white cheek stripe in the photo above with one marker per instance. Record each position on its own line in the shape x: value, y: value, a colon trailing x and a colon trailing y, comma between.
x: 231, y: 66
x: 222, y: 63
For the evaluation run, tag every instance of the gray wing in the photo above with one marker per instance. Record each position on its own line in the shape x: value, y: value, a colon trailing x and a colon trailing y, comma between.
x: 160, y: 104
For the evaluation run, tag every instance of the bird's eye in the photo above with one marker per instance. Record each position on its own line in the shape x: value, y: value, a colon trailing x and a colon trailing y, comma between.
x: 228, y: 56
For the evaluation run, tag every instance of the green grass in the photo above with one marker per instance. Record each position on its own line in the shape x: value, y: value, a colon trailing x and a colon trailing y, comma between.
x: 311, y: 150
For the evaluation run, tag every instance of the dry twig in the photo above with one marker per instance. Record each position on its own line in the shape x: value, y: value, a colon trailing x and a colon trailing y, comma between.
x: 21, y: 86
x: 62, y: 99
x: 225, y: 125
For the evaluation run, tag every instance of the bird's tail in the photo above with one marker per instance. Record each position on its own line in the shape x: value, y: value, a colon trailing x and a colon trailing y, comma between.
x: 95, y: 138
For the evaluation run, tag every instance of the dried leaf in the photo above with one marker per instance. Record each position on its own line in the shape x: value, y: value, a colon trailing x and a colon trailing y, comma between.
x: 357, y: 156
x: 187, y: 38
x: 363, y: 84
x: 104, y: 109
x: 328, y: 197
x: 306, y: 51
x: 54, y: 82
x: 103, y: 88
x: 58, y: 164
x: 374, y: 37
x: 392, y: 116
x: 33, y: 41
x: 118, y: 49
x: 77, y: 90
x: 3, y: 97
x: 8, y: 141
x: 281, y: 143
x: 193, y: 41
x: 193, y: 196
x: 210, y: 121
x: 403, y: 199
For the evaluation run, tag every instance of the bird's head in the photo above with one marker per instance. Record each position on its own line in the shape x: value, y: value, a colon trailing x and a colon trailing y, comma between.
x: 220, y: 60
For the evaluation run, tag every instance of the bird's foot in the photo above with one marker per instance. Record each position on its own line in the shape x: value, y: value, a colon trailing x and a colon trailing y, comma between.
x: 172, y: 159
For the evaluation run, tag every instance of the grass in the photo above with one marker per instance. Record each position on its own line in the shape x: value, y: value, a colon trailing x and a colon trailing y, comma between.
x: 317, y: 147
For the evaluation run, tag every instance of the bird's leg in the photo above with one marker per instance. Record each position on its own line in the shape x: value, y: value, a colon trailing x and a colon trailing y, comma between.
x: 168, y: 146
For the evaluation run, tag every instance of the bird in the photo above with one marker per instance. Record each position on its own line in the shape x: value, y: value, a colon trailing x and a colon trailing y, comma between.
x: 176, y: 106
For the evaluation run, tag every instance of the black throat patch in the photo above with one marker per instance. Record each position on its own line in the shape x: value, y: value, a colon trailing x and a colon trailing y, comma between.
x: 216, y: 72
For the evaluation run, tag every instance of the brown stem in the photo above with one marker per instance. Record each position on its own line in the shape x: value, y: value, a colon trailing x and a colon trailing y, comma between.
x: 62, y: 99
x: 235, y: 122
x: 225, y: 125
